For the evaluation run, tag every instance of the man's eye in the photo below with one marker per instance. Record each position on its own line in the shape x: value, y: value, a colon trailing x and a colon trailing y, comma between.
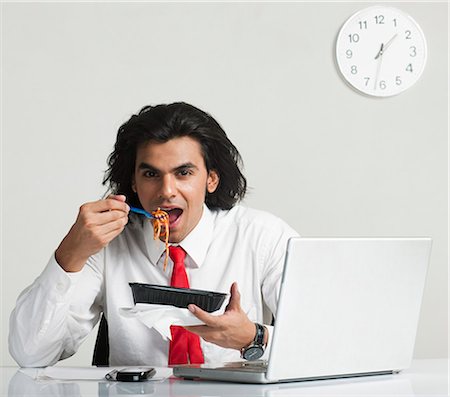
x: 150, y: 174
x: 185, y: 172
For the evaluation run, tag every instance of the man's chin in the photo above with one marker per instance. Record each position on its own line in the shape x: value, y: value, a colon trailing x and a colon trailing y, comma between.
x: 175, y: 237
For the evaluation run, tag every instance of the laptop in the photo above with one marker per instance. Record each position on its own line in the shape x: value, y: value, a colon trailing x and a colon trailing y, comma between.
x: 347, y: 307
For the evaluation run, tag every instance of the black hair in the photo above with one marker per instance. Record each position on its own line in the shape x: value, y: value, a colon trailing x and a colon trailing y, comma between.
x: 162, y: 123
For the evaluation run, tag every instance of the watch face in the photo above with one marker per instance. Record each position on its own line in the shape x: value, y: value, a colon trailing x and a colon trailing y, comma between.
x: 253, y: 352
x: 381, y: 51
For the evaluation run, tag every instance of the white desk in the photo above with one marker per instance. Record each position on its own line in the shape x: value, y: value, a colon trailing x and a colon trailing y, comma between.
x: 424, y: 378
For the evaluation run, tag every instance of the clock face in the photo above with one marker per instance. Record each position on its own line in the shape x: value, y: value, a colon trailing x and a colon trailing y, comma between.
x: 381, y: 51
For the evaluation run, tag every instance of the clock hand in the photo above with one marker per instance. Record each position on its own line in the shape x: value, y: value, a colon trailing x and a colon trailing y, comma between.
x: 380, y: 58
x: 384, y: 47
x: 390, y: 42
x: 380, y: 51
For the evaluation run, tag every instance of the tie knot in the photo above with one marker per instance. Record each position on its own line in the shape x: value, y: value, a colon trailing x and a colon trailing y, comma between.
x: 177, y: 254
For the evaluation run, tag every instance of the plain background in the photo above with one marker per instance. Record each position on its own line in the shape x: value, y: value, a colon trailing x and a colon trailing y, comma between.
x: 329, y: 161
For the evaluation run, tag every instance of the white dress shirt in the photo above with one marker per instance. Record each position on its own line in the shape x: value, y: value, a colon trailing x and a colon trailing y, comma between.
x: 54, y: 315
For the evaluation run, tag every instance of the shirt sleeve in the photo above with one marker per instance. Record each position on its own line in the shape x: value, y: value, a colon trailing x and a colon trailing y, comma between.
x: 273, y: 263
x: 273, y: 257
x: 55, y: 314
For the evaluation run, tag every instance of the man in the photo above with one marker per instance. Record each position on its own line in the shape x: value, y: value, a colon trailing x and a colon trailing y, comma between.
x: 177, y: 158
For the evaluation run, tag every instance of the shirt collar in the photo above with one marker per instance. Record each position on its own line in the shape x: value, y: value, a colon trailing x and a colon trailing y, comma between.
x: 196, y: 243
x: 155, y: 248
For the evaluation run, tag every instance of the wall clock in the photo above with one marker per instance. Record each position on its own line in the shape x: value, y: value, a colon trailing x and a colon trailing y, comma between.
x: 381, y: 51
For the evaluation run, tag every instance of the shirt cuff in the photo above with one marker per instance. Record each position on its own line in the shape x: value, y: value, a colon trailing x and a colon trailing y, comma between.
x: 269, y: 328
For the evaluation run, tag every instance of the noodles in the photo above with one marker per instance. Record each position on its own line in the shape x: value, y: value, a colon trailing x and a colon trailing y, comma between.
x: 161, y: 229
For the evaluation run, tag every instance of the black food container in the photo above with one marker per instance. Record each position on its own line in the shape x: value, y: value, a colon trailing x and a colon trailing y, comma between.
x: 179, y: 297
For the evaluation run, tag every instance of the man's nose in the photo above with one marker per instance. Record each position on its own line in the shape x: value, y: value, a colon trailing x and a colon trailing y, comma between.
x: 168, y: 187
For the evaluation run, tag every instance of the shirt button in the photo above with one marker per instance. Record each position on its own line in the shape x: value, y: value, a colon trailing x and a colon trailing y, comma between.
x: 60, y: 287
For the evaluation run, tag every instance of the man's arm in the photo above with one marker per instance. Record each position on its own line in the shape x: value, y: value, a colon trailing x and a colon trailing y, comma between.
x: 55, y: 314
x: 97, y: 224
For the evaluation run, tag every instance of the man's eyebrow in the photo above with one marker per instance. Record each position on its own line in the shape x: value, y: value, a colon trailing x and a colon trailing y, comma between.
x: 145, y: 166
x: 185, y: 166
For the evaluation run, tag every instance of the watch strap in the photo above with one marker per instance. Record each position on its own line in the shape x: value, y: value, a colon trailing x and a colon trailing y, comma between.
x: 256, y: 345
x: 259, y: 337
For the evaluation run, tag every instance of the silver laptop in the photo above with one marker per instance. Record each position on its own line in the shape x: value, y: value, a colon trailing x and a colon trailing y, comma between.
x: 347, y: 307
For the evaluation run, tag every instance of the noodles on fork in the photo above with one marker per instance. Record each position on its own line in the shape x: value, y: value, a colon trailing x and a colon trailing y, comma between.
x: 161, y: 229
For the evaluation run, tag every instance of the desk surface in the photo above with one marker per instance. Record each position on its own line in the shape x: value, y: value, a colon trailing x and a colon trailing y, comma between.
x: 425, y: 377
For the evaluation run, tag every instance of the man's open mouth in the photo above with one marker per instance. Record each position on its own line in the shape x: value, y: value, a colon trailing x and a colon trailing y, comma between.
x: 174, y: 214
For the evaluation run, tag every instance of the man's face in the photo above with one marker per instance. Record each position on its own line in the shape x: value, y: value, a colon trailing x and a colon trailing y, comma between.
x: 173, y: 177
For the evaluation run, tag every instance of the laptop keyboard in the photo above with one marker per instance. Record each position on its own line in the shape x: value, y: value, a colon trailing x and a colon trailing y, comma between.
x: 246, y: 366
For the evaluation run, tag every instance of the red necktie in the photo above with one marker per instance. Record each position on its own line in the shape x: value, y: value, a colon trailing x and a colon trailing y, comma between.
x: 184, y: 346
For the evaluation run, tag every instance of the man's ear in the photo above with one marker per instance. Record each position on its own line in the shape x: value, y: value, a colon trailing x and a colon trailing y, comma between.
x: 212, y: 181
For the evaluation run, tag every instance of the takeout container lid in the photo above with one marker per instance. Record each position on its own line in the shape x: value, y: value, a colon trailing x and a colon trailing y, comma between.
x: 179, y: 297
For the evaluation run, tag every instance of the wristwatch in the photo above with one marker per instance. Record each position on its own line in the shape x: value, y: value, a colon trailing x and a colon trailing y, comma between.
x: 256, y: 348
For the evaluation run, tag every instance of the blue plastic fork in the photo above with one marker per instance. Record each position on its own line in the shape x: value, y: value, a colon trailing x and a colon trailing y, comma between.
x: 142, y: 212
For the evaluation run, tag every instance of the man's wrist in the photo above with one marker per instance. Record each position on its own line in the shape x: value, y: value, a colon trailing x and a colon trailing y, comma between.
x: 68, y: 262
x: 255, y: 349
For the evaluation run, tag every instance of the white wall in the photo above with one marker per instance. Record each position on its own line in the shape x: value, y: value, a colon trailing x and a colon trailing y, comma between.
x: 328, y: 160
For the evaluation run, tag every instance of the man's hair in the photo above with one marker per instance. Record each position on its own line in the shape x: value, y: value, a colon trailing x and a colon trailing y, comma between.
x: 162, y: 123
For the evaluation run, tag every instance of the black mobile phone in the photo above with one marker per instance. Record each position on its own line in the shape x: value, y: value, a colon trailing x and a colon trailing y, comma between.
x: 131, y: 374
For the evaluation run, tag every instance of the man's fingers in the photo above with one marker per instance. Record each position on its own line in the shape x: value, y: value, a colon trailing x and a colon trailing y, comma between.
x: 112, y: 234
x: 106, y: 205
x: 113, y: 203
x: 235, y: 299
x: 197, y: 329
x: 107, y: 217
x: 119, y: 197
x: 207, y: 333
x: 118, y: 224
x: 208, y: 319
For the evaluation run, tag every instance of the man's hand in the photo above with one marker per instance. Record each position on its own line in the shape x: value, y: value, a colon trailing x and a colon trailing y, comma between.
x: 233, y: 329
x: 97, y: 224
